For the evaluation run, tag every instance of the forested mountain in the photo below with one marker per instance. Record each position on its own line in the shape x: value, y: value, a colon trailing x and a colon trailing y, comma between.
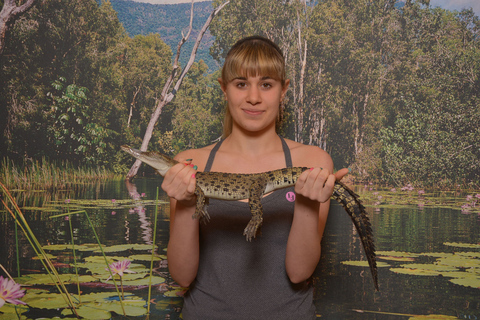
x: 168, y: 21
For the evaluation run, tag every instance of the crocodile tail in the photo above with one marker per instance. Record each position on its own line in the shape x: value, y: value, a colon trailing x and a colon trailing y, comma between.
x: 352, y: 204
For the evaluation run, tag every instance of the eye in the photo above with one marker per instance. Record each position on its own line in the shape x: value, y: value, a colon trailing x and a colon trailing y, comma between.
x: 266, y: 85
x: 240, y: 84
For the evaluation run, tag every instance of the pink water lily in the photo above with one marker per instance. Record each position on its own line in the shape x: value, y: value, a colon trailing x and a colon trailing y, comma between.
x: 119, y: 268
x: 10, y: 292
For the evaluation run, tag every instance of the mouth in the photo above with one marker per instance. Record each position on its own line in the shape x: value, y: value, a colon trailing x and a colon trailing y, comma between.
x: 253, y: 112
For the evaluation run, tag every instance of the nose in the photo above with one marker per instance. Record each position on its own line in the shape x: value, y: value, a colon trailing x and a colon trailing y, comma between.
x: 253, y: 95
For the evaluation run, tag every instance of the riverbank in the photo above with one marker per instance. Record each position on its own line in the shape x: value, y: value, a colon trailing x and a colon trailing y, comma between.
x: 46, y: 175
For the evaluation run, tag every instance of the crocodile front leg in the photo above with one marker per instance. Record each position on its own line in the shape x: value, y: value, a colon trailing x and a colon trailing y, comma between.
x: 256, y: 191
x: 201, y: 205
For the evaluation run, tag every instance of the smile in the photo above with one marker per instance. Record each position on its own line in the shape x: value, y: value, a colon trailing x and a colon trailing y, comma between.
x: 253, y: 112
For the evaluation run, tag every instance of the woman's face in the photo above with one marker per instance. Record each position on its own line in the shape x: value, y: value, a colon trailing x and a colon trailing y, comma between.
x: 254, y: 101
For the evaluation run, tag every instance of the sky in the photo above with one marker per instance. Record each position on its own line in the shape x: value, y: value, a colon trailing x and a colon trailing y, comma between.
x: 457, y: 5
x: 446, y: 4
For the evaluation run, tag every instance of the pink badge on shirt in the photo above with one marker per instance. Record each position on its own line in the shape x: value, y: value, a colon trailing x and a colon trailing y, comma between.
x: 290, y: 196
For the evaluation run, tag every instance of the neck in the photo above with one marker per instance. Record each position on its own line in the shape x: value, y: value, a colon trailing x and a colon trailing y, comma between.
x: 253, y: 144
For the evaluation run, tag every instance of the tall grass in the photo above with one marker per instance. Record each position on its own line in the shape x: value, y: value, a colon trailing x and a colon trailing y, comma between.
x: 12, y: 208
x: 46, y: 175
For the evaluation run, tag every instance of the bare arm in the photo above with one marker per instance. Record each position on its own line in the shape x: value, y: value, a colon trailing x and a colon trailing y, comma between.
x: 183, y: 245
x: 313, y: 189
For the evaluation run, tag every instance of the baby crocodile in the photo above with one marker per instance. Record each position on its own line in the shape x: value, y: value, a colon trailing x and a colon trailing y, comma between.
x: 231, y: 186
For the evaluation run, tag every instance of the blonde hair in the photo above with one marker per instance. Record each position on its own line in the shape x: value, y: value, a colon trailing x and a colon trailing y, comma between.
x: 250, y: 57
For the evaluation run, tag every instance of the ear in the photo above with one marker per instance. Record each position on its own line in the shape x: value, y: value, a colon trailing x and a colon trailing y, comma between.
x: 285, y: 88
x: 223, y: 87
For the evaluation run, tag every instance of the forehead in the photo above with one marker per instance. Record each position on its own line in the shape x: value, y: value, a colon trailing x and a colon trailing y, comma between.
x: 257, y: 77
x: 253, y: 70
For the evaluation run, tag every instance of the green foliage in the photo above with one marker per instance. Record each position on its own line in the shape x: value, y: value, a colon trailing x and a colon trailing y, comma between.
x: 389, y: 91
x: 196, y: 111
x: 72, y: 131
x: 433, y: 145
x: 55, y: 39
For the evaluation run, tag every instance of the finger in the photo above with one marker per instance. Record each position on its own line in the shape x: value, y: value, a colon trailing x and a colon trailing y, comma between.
x: 301, y: 180
x: 341, y: 173
x: 312, y: 182
x: 327, y: 189
x: 177, y: 182
x: 191, y: 185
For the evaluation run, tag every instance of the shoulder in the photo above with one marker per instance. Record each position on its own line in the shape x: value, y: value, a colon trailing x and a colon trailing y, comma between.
x: 199, y: 156
x: 309, y: 156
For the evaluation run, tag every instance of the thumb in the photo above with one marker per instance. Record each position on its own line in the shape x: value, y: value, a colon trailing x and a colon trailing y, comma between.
x: 341, y: 173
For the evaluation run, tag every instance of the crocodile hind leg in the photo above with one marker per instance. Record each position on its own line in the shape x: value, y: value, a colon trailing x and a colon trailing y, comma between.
x: 254, y: 201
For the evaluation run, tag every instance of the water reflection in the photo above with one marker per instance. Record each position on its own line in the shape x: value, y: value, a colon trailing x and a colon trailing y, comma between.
x: 139, y: 209
x: 339, y: 288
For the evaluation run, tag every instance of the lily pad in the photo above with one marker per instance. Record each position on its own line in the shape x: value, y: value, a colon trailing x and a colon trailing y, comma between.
x: 462, y: 245
x: 100, y: 305
x: 469, y: 281
x: 415, y: 272
x: 57, y: 247
x: 433, y: 317
x: 397, y: 254
x: 41, y: 257
x: 147, y: 257
x: 99, y: 268
x: 460, y: 262
x: 469, y: 254
x: 429, y: 266
x: 9, y: 311
x: 393, y: 258
x: 87, y: 247
x: 177, y: 292
x: 139, y: 280
x: 124, y: 247
x: 45, y: 279
x: 46, y: 300
x: 101, y: 259
x: 364, y: 263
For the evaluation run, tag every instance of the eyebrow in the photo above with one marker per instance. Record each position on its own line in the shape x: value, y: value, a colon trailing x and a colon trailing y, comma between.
x: 244, y: 78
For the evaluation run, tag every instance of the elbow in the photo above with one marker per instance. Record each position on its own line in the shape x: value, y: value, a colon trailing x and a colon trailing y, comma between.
x: 182, y: 281
x: 299, y: 277
x: 299, y: 274
x: 183, y: 277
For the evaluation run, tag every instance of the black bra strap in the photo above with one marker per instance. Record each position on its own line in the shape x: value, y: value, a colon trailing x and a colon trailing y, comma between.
x: 211, y: 157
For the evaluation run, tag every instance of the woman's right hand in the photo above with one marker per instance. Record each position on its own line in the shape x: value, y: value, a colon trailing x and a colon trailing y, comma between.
x: 179, y: 183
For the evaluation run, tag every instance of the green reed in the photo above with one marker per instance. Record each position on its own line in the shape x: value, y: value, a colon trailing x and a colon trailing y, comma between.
x: 153, y: 254
x: 11, y: 207
x: 120, y: 296
x: 44, y: 174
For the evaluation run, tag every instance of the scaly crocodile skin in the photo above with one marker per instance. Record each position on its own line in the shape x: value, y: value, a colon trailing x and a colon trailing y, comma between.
x: 229, y: 186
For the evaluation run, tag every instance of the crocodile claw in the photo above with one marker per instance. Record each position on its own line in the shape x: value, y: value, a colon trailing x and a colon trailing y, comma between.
x: 252, y: 227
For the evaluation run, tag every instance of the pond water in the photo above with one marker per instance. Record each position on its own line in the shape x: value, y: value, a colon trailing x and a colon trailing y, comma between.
x: 431, y: 254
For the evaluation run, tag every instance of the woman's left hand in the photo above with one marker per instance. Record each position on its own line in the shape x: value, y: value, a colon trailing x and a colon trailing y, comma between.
x: 317, y: 183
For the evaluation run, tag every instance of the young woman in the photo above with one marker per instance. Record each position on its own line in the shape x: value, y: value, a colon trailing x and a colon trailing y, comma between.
x: 228, y: 277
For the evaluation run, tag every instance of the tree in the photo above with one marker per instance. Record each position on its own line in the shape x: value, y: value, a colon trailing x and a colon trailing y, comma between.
x: 167, y: 96
x: 71, y: 39
x: 9, y: 14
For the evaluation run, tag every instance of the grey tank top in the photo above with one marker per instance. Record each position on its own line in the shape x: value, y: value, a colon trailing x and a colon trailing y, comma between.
x: 244, y: 280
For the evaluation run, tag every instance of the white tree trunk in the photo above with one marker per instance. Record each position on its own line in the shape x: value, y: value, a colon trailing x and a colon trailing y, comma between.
x: 10, y: 12
x: 167, y: 97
